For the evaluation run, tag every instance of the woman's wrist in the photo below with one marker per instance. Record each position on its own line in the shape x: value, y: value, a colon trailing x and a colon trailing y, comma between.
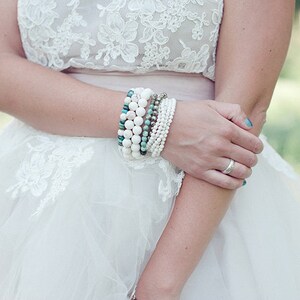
x: 151, y: 289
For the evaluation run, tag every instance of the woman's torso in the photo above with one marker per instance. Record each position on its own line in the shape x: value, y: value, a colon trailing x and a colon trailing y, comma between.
x: 122, y: 35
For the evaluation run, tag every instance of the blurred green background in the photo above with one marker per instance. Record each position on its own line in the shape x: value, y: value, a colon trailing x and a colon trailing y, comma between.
x: 283, y: 123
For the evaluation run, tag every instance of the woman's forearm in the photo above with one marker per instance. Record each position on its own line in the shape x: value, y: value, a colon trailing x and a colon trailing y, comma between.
x: 198, y: 210
x: 253, y: 43
x: 55, y: 102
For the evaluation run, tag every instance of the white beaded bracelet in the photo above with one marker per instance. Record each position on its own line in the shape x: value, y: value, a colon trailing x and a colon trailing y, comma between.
x: 160, y: 132
x: 131, y: 121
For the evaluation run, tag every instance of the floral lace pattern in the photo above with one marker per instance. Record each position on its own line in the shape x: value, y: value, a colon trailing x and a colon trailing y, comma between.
x: 48, y: 167
x: 122, y: 35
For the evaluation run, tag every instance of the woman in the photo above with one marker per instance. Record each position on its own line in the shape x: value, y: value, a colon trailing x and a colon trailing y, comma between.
x: 77, y: 220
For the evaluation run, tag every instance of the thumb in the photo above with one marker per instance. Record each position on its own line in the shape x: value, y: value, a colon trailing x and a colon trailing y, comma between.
x: 233, y: 113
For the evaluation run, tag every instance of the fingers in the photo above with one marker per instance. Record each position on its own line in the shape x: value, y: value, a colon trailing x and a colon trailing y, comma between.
x: 233, y: 113
x: 224, y: 181
x: 239, y: 171
x: 241, y: 137
x: 247, y: 140
x: 241, y: 155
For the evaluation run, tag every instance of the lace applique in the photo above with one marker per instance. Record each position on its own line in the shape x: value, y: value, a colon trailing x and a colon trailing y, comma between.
x: 48, y: 167
x: 122, y: 35
x: 49, y: 45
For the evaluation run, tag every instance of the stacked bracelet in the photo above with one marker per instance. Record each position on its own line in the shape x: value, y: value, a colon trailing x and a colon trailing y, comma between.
x: 141, y: 132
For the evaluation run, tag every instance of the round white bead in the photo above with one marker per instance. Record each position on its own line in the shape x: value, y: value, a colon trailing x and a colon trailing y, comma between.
x: 136, y: 155
x: 128, y: 134
x: 127, y: 143
x: 129, y: 124
x: 126, y: 150
x: 143, y: 102
x: 127, y: 100
x: 137, y: 130
x: 123, y: 117
x: 146, y: 94
x: 139, y: 90
x: 140, y: 111
x: 121, y: 132
x: 135, y: 148
x: 136, y: 139
x: 133, y: 106
x: 138, y: 121
x: 134, y: 98
x: 131, y: 115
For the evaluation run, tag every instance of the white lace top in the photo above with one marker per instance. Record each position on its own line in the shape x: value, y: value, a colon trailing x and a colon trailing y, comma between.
x: 122, y: 35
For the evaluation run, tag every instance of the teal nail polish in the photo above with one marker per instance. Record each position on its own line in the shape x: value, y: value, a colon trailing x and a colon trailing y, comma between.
x: 248, y: 123
x: 244, y: 182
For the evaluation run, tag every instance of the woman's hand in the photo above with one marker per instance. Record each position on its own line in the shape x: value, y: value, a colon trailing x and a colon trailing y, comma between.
x: 205, y: 135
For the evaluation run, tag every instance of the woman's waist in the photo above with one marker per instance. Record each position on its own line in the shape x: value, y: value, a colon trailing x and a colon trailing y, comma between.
x: 181, y: 86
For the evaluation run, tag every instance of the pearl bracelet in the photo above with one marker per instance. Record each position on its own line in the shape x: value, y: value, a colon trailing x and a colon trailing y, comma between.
x: 131, y: 121
x: 161, y: 129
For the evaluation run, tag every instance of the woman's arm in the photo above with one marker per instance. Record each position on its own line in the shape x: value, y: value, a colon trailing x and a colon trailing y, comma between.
x: 253, y: 43
x: 48, y: 100
x: 57, y: 103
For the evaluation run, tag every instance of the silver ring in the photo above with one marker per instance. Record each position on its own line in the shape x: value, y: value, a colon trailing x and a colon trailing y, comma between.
x: 230, y: 167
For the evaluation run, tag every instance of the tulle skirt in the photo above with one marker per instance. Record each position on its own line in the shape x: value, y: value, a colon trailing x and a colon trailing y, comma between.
x: 77, y: 222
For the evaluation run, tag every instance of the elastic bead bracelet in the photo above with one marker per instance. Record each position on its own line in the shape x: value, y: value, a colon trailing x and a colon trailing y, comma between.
x: 151, y: 119
x: 131, y: 121
x: 161, y: 129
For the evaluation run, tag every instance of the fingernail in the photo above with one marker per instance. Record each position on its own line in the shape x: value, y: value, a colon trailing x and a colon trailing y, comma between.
x: 244, y: 182
x: 248, y: 123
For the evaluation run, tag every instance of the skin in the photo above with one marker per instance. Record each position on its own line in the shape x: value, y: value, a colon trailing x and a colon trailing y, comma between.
x: 55, y: 103
x: 252, y: 47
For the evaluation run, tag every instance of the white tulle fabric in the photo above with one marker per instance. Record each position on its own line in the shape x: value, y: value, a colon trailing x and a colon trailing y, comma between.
x: 77, y: 222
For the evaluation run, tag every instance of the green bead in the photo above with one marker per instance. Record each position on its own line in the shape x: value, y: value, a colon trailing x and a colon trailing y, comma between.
x: 143, y: 144
x: 145, y: 133
x: 146, y: 127
x: 151, y: 106
x: 122, y: 127
x: 150, y: 111
x: 124, y: 111
x: 130, y: 93
x: 122, y: 122
x: 143, y: 149
x: 126, y: 106
x: 147, y: 122
x: 144, y: 139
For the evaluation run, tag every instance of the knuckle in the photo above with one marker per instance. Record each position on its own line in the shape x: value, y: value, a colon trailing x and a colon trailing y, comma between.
x: 237, y: 108
x: 216, y: 145
x: 227, y: 131
x: 248, y: 173
x: 227, y: 183
x: 244, y: 172
x: 252, y: 160
x: 258, y: 146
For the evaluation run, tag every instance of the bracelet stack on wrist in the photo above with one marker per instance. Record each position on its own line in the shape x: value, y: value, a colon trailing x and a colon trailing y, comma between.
x: 142, y: 132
